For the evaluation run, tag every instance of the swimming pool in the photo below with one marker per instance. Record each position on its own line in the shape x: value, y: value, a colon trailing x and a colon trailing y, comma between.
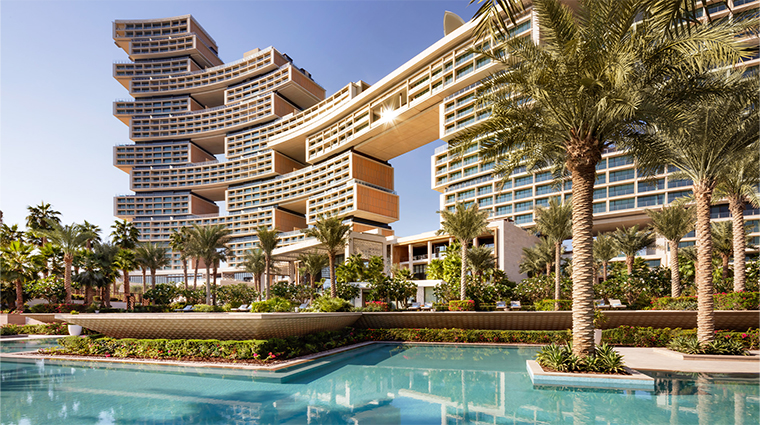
x: 379, y: 383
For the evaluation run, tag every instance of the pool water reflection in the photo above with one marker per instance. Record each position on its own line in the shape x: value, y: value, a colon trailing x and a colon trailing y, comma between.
x: 380, y: 383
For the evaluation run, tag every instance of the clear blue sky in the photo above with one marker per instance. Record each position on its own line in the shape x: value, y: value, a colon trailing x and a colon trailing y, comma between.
x: 56, y: 86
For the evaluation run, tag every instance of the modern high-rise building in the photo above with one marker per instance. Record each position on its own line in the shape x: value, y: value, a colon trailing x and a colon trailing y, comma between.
x: 260, y: 135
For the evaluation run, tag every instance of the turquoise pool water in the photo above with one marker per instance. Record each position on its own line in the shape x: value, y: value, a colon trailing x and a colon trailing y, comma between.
x: 376, y: 384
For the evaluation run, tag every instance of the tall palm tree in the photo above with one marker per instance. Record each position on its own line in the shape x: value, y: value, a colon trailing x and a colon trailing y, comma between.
x: 556, y: 224
x: 154, y: 257
x: 739, y: 187
x: 313, y: 263
x: 18, y: 264
x: 631, y: 240
x: 142, y: 260
x: 207, y: 240
x: 70, y: 239
x: 268, y: 241
x: 722, y: 242
x: 255, y: 263
x: 126, y: 262
x: 10, y: 233
x: 333, y: 235
x: 178, y: 241
x: 39, y: 218
x: 125, y: 234
x: 599, y: 70
x: 605, y: 249
x: 480, y: 260
x: 105, y: 254
x: 94, y: 231
x: 673, y: 223
x: 463, y: 224
x: 532, y: 261
x: 720, y: 131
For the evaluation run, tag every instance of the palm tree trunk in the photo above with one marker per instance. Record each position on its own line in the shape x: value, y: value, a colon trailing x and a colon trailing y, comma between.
x: 675, y: 276
x: 333, y: 288
x: 213, y: 295
x: 267, y: 278
x: 208, y: 284
x: 19, y: 295
x: 184, y: 271
x: 195, y: 278
x: 604, y: 270
x: 736, y: 206
x: 724, y: 266
x: 67, y: 259
x: 152, y: 279
x: 705, y: 303
x: 145, y: 280
x: 311, y: 287
x: 106, y: 295
x: 583, y: 176
x: 463, y: 281
x: 87, y: 294
x: 548, y: 269
x: 557, y: 255
x: 126, y: 287
x: 629, y: 264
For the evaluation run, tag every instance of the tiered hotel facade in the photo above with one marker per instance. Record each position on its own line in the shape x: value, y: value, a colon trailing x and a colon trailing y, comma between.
x: 260, y: 135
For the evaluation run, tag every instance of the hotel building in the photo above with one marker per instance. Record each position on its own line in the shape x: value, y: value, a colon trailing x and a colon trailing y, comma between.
x: 260, y: 135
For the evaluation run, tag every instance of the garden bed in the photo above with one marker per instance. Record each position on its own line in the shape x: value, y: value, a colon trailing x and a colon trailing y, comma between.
x: 632, y: 381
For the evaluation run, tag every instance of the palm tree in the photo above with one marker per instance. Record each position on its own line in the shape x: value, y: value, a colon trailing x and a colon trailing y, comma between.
x: 94, y: 231
x: 739, y: 186
x: 70, y: 239
x: 207, y: 240
x: 178, y: 241
x: 254, y: 262
x: 673, y: 223
x: 719, y: 135
x: 605, y: 249
x: 631, y: 240
x: 463, y: 224
x: 333, y: 235
x: 9, y: 234
x: 142, y: 258
x: 313, y: 263
x: 556, y: 224
x: 125, y: 234
x: 126, y: 262
x: 17, y: 265
x: 268, y: 241
x: 39, y: 218
x: 105, y: 254
x: 722, y: 241
x: 599, y: 70
x: 480, y: 260
x: 531, y: 262
x: 154, y: 257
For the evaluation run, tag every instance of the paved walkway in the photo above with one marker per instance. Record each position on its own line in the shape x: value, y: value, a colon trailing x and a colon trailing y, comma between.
x: 656, y: 359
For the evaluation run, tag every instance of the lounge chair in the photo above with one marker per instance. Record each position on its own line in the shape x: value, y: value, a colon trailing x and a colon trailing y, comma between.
x: 515, y: 305
x: 616, y: 304
x: 414, y: 307
x: 601, y: 304
x: 501, y: 305
x: 187, y: 308
x: 302, y: 306
x: 427, y: 307
x: 243, y: 307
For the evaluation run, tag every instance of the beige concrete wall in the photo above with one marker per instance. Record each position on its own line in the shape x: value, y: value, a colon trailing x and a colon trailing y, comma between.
x: 510, y: 240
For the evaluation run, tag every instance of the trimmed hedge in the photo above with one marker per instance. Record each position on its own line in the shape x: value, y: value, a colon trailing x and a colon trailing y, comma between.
x: 462, y: 305
x: 723, y: 301
x: 57, y: 308
x: 45, y: 329
x: 629, y: 336
x: 548, y: 305
x: 468, y: 336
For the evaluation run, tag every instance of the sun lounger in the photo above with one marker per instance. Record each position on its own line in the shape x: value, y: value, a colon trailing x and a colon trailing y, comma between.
x: 302, y: 306
x: 501, y: 305
x: 414, y: 307
x: 427, y: 307
x: 243, y: 307
x: 601, y: 304
x: 616, y: 304
x: 186, y: 309
x: 515, y: 305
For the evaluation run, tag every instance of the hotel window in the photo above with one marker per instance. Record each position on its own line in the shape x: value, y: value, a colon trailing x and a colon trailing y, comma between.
x: 600, y: 207
x: 522, y: 219
x: 679, y: 182
x: 541, y: 177
x: 601, y: 165
x: 621, y: 190
x: 522, y: 181
x: 484, y: 202
x: 600, y: 193
x: 675, y: 195
x: 622, y: 204
x: 523, y: 206
x: 651, y: 200
x: 620, y: 161
x: 504, y: 197
x: 601, y: 178
x: 622, y: 175
x: 648, y: 186
x: 522, y: 194
x: 543, y: 190
x: 485, y: 190
x: 503, y: 210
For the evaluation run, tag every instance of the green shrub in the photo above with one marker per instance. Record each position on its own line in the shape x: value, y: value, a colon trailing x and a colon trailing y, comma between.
x: 57, y: 308
x: 722, y: 345
x: 237, y: 294
x: 723, y: 301
x: 205, y: 308
x: 562, y: 359
x: 461, y: 305
x: 43, y: 329
x: 272, y: 305
x: 375, y: 306
x: 163, y: 293
x: 327, y: 304
x: 441, y: 306
x: 468, y: 335
x: 629, y: 336
x: 548, y: 305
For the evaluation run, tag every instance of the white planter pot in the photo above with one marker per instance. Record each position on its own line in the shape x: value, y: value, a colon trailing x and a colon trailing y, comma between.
x: 75, y: 330
x: 597, y: 336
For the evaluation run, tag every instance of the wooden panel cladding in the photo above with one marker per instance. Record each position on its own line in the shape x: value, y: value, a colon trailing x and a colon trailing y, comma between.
x: 370, y: 171
x: 376, y: 202
x: 200, y: 206
x: 282, y: 107
x: 285, y: 221
x: 285, y: 165
x: 199, y: 155
x: 307, y: 83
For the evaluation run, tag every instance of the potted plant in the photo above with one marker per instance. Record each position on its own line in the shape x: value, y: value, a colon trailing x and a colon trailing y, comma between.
x: 599, y: 321
x: 75, y: 330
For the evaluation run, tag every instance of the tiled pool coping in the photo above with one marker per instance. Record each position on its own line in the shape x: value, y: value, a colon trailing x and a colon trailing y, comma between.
x: 635, y: 381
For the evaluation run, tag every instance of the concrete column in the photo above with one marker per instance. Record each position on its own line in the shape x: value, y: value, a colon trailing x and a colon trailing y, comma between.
x: 475, y: 242
x: 430, y: 251
x: 411, y: 253
x: 291, y: 271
